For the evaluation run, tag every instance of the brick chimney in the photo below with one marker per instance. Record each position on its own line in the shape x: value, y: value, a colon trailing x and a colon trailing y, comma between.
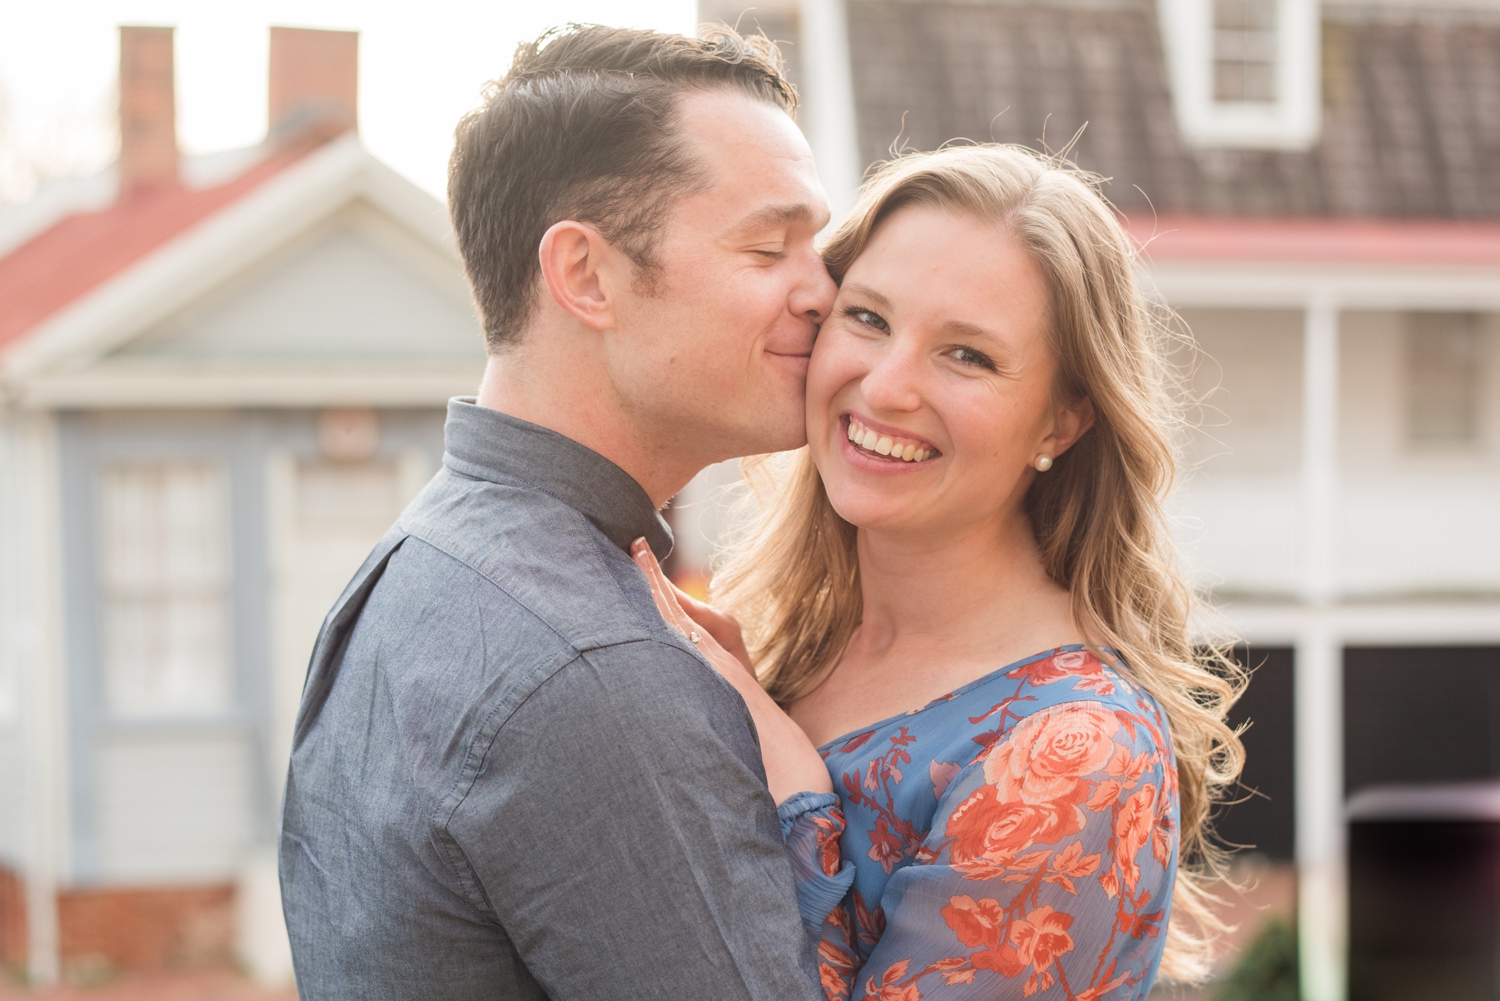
x: 148, y: 110
x: 314, y: 82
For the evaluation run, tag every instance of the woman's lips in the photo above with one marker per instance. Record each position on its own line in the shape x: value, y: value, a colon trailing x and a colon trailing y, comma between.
x: 883, y: 445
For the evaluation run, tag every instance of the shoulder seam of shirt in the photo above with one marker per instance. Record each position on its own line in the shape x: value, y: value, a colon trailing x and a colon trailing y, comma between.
x: 471, y: 769
x: 497, y: 585
x: 512, y: 480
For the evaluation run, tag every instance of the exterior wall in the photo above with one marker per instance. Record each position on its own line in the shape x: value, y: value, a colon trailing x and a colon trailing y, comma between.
x: 356, y: 286
x: 1416, y: 519
x: 1239, y: 521
x: 12, y: 921
x: 1412, y: 521
x: 147, y: 929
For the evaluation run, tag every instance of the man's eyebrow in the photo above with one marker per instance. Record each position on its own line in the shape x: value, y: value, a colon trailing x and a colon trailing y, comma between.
x: 776, y: 215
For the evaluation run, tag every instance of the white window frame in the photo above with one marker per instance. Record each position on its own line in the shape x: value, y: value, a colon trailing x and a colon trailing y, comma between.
x: 1292, y: 121
x: 157, y: 586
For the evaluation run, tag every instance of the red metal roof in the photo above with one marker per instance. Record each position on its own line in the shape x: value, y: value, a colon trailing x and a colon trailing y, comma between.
x: 82, y: 251
x: 1317, y: 241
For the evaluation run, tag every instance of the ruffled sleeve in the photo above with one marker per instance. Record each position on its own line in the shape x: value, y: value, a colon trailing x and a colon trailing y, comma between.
x: 811, y: 824
x: 1049, y: 864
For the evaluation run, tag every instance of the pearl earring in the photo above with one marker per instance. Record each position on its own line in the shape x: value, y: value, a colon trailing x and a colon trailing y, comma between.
x: 1043, y: 463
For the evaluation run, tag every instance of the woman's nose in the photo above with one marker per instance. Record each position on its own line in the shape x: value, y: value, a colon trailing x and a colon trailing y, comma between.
x: 893, y: 382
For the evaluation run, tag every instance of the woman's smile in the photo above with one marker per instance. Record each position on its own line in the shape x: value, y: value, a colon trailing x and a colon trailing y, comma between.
x: 883, y: 444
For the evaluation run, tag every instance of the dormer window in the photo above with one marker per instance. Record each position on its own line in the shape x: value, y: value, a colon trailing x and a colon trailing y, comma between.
x: 1244, y: 73
x: 1245, y: 51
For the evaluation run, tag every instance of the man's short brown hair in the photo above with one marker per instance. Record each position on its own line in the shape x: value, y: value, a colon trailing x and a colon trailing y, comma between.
x: 584, y: 127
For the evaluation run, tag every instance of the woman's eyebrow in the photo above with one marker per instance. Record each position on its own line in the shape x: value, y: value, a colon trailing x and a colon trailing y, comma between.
x: 962, y: 329
x: 866, y: 293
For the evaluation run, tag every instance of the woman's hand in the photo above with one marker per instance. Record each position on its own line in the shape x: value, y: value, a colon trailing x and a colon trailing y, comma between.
x: 792, y: 763
x: 724, y: 629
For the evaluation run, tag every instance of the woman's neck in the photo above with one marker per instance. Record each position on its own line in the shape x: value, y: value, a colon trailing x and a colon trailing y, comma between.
x: 973, y: 590
x: 938, y: 614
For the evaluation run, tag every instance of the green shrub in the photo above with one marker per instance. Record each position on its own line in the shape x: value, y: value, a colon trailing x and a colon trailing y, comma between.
x: 1267, y: 971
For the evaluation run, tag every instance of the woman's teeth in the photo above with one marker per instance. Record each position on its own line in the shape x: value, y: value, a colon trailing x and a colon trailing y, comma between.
x: 884, y: 444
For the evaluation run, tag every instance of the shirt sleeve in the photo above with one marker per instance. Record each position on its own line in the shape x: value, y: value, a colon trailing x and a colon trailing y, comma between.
x: 811, y: 824
x: 621, y: 832
x: 1048, y: 863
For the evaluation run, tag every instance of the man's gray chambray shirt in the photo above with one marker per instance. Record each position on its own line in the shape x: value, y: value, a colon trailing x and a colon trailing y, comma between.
x: 510, y: 779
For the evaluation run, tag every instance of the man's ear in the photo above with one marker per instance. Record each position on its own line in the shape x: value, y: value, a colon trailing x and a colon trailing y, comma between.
x: 579, y: 267
x: 1071, y: 423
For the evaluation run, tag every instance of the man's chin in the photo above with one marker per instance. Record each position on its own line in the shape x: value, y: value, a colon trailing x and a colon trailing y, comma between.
x: 781, y: 432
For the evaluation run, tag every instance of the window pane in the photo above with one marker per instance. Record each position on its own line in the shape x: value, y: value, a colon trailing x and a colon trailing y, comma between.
x: 1443, y: 378
x: 1245, y: 51
x: 164, y: 571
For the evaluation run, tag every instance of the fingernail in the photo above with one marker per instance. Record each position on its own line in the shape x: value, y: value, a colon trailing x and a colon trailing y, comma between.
x: 639, y: 547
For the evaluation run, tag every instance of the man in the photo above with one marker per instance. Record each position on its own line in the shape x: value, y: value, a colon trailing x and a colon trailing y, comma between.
x: 510, y: 779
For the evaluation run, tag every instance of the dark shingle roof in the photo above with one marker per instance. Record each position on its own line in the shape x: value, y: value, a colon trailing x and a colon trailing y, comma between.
x: 1411, y: 118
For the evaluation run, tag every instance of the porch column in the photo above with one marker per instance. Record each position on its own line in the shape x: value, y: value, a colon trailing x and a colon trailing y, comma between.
x: 829, y: 111
x: 29, y: 610
x: 1322, y: 900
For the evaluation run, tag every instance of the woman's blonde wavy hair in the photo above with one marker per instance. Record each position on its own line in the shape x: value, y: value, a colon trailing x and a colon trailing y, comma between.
x: 792, y: 576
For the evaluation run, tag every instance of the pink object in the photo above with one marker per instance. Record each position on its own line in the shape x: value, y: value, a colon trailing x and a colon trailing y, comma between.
x: 1316, y: 240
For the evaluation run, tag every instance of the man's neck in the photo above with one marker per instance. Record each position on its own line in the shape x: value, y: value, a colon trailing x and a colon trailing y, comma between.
x: 577, y: 400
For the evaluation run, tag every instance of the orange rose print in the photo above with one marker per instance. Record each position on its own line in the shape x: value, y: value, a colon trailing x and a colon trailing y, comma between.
x: 1045, y: 757
x: 978, y: 924
x: 975, y: 922
x: 1042, y: 936
x: 985, y: 828
x: 1133, y: 829
x: 1066, y: 810
x: 1070, y: 664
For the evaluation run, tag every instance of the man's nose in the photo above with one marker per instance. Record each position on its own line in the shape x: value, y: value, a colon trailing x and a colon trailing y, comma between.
x: 814, y: 295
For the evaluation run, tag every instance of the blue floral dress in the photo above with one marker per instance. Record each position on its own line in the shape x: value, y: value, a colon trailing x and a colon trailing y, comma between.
x: 1015, y: 838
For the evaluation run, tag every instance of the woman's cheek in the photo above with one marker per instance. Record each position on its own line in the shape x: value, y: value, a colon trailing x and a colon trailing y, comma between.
x: 828, y: 371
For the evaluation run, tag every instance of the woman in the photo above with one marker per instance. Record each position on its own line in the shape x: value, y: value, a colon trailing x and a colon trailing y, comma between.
x: 965, y: 596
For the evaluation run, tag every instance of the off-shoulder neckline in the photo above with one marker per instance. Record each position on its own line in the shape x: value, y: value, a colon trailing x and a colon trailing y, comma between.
x: 983, y: 679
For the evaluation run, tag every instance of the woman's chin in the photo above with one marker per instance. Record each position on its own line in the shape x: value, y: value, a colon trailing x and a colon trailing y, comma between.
x: 875, y: 514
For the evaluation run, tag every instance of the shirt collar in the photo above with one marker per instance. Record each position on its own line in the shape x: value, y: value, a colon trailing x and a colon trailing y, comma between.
x: 493, y: 446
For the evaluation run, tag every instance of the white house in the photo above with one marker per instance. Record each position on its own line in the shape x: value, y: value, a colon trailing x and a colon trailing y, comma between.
x: 221, y: 378
x: 1318, y: 190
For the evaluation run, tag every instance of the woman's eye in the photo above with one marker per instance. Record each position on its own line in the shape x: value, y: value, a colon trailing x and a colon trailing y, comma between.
x: 774, y: 255
x: 868, y: 318
x: 978, y: 359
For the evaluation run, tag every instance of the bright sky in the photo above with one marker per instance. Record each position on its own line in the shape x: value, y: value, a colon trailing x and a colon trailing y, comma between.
x: 421, y: 67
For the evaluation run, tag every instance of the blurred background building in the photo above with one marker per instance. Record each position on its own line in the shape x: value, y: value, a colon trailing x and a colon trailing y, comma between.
x: 222, y: 377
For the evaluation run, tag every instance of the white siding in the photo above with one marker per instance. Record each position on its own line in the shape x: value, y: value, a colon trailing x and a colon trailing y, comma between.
x: 1413, y: 536
x: 1418, y: 518
x: 1250, y: 383
x: 1415, y: 518
x: 1241, y: 534
x: 1237, y: 510
x: 357, y: 288
x: 172, y: 809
